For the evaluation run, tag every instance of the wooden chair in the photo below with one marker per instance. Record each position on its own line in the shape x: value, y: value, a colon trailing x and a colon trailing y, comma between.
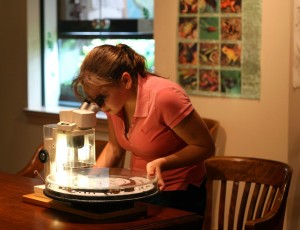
x: 36, y: 164
x: 252, y: 193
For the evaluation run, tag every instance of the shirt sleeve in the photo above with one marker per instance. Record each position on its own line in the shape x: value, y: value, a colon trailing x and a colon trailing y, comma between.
x: 172, y: 106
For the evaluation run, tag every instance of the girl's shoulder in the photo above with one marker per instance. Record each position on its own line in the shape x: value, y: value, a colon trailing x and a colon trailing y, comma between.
x: 158, y: 83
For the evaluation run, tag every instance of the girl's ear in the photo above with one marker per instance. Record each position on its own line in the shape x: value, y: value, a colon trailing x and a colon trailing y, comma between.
x: 126, y: 80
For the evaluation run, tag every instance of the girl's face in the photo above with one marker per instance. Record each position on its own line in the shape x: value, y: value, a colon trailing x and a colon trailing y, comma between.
x: 110, y: 97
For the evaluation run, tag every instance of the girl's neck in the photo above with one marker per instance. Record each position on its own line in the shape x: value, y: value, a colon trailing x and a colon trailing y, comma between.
x: 130, y: 104
x: 128, y: 113
x: 129, y: 108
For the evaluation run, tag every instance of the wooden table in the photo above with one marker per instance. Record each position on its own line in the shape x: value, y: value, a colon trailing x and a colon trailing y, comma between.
x: 16, y: 214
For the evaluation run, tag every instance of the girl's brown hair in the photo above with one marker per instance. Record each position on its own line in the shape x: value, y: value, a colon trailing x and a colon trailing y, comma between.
x: 108, y: 63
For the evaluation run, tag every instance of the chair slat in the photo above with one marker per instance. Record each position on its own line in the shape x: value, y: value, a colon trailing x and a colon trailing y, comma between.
x: 253, y: 202
x: 270, y: 201
x: 262, y: 201
x: 232, y: 206
x: 222, y: 204
x: 244, y: 200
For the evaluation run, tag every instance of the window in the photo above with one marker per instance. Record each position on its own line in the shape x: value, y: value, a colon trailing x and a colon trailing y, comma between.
x: 73, y: 27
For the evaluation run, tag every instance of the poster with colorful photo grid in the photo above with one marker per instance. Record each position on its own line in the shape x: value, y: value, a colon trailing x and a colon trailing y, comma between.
x: 218, y: 47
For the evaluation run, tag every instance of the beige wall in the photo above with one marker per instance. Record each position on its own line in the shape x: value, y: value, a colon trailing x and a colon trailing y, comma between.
x: 266, y: 128
x: 18, y: 139
x: 241, y: 116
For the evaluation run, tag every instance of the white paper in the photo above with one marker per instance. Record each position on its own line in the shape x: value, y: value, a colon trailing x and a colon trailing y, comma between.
x: 296, y: 53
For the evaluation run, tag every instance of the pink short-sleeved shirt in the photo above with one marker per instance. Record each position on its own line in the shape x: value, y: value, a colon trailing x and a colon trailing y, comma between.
x: 161, y: 105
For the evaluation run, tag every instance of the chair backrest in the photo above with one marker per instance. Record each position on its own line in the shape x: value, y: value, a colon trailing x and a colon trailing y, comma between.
x: 36, y: 165
x: 251, y: 192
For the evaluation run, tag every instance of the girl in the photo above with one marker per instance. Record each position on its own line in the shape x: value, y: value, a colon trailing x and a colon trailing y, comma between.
x: 153, y: 118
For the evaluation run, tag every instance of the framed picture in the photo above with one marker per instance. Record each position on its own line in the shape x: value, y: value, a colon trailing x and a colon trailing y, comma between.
x: 218, y: 44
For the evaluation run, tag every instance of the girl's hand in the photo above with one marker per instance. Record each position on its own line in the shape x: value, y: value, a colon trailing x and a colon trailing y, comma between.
x: 154, y: 169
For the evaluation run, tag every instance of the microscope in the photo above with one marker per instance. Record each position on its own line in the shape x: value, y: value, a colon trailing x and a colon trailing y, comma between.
x: 70, y: 144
